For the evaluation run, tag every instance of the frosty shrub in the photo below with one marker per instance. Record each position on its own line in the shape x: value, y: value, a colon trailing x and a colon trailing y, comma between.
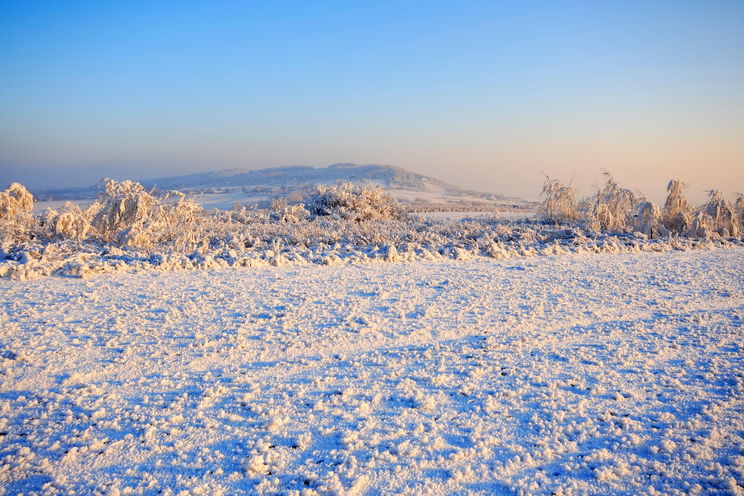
x: 178, y: 222
x: 613, y: 208
x: 174, y: 221
x: 559, y: 204
x: 648, y: 220
x: 701, y: 227
x: 15, y: 201
x: 73, y: 223
x: 128, y: 215
x: 355, y: 203
x: 122, y: 206
x: 739, y: 209
x: 721, y: 217
x: 677, y: 214
x: 282, y: 211
x: 16, y: 205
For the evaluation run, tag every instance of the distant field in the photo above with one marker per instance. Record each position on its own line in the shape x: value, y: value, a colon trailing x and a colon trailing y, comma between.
x: 414, y: 200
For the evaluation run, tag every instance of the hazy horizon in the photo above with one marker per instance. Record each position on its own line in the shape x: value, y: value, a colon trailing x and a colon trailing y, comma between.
x: 485, y: 96
x: 86, y: 177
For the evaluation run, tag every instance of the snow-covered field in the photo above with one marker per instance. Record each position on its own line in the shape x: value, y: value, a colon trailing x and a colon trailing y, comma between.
x: 572, y: 374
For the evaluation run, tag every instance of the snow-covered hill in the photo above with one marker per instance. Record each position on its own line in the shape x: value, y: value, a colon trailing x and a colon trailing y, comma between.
x: 388, y: 177
x: 224, y: 188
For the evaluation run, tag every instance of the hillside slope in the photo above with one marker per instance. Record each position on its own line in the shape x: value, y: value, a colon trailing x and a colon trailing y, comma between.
x: 243, y: 185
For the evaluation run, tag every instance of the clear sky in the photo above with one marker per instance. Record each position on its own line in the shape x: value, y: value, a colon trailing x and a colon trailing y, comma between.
x: 486, y: 95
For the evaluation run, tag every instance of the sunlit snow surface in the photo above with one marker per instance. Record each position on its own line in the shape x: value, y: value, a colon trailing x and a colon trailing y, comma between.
x: 576, y: 374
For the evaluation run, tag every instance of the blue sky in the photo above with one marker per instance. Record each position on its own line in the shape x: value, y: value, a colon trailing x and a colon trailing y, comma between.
x: 483, y: 94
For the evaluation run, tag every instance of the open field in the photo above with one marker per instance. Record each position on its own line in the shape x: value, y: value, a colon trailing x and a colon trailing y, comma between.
x: 614, y: 373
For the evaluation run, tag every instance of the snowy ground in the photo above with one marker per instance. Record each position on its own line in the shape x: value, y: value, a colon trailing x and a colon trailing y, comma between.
x: 575, y: 374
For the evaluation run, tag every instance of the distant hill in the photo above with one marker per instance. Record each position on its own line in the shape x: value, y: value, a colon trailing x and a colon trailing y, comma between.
x: 263, y: 184
x: 386, y: 176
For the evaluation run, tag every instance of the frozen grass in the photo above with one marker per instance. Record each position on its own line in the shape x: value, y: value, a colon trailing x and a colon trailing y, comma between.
x: 131, y: 229
x: 251, y: 239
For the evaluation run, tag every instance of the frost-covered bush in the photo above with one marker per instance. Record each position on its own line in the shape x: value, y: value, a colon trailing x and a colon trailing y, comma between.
x: 122, y: 206
x: 648, y: 220
x: 73, y: 223
x: 282, y: 211
x: 721, y: 217
x: 739, y: 209
x: 350, y: 202
x: 612, y: 208
x: 16, y: 205
x: 175, y: 221
x: 127, y: 215
x: 559, y: 204
x: 14, y: 201
x: 677, y: 214
x: 701, y: 226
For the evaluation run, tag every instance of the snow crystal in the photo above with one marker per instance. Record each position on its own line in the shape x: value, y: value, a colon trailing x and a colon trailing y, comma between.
x: 596, y: 373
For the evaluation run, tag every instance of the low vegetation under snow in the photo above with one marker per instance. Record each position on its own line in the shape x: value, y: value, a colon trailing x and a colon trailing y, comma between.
x: 131, y: 229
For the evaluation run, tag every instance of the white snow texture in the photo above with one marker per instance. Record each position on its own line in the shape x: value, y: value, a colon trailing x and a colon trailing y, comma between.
x: 573, y: 374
